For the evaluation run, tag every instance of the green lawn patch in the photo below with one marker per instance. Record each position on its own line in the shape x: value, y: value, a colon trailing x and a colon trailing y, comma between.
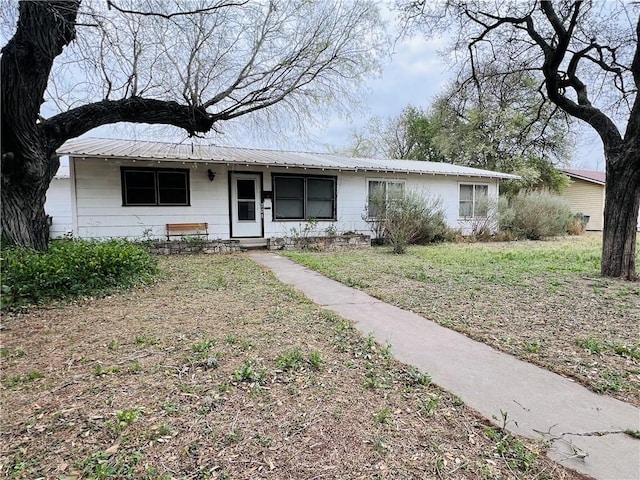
x: 543, y: 301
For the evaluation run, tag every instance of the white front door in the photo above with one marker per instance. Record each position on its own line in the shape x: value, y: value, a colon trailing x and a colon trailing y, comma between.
x: 246, y: 214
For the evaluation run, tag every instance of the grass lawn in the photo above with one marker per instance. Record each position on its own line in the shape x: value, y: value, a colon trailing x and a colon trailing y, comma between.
x: 541, y: 301
x: 220, y: 371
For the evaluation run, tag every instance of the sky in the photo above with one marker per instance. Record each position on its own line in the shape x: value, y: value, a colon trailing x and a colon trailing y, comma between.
x: 414, y: 74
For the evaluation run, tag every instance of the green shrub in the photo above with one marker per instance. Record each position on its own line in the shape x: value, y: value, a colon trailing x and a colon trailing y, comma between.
x: 72, y: 269
x: 538, y: 215
x: 411, y: 218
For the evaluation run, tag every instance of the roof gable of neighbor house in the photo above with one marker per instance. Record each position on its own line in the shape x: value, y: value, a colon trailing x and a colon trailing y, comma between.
x: 587, y: 175
x: 144, y: 150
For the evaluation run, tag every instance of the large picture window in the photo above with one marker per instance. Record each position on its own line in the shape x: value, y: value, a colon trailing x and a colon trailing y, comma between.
x: 303, y: 198
x: 473, y: 200
x: 155, y: 186
x: 380, y: 192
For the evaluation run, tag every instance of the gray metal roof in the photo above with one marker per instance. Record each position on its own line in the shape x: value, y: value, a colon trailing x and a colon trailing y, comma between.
x: 144, y: 150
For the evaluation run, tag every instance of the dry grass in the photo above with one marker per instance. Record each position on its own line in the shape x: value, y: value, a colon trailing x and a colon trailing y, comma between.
x: 541, y: 301
x: 219, y: 371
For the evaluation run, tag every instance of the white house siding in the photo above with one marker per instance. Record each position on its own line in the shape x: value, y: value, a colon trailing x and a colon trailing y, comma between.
x: 586, y: 198
x: 353, y: 191
x: 100, y: 213
x: 58, y: 207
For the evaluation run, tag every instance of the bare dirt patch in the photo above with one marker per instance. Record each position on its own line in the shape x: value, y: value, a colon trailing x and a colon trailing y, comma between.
x: 541, y: 301
x: 219, y: 371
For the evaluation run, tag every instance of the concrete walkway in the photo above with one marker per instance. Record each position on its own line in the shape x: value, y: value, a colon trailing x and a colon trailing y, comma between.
x: 586, y: 429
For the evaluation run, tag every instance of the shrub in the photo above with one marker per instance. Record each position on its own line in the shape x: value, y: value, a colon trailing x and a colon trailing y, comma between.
x: 538, y: 215
x: 412, y: 218
x: 484, y: 227
x: 576, y: 225
x: 72, y: 269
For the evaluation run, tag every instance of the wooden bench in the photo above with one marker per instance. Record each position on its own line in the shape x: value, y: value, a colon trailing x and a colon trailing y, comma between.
x: 187, y: 229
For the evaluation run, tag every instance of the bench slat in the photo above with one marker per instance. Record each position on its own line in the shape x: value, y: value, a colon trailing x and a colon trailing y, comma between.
x: 186, y: 226
x: 196, y: 228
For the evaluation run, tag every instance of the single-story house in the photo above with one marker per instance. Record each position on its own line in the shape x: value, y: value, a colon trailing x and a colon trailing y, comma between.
x: 585, y: 195
x: 133, y: 189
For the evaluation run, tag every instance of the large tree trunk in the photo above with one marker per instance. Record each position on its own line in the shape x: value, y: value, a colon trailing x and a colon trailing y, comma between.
x: 621, y: 218
x: 29, y: 142
x: 28, y: 157
x: 24, y: 221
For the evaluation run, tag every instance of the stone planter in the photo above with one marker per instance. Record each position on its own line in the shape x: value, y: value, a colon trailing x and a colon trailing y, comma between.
x: 320, y: 243
x: 181, y: 247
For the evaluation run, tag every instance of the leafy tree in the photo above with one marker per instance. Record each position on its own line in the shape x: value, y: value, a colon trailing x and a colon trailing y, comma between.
x: 189, y: 64
x: 405, y: 136
x: 588, y: 60
x: 497, y: 129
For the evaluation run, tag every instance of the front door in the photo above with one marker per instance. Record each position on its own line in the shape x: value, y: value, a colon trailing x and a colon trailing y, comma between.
x: 246, y: 214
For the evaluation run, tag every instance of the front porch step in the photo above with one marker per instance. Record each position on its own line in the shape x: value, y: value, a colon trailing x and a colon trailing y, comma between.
x: 253, y: 243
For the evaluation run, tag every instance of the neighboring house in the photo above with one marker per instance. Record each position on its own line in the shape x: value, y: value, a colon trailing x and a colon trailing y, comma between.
x: 585, y: 195
x: 132, y: 189
x: 58, y: 204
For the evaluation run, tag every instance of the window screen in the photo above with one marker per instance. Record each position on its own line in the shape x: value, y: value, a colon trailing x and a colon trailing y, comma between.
x: 302, y: 198
x: 155, y: 187
x: 473, y: 200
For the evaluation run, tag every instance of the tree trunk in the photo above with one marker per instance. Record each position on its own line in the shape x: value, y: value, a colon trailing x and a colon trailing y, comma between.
x: 24, y: 190
x: 621, y: 218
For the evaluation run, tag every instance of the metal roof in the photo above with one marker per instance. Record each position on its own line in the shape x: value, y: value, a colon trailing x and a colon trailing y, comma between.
x: 587, y: 175
x: 144, y: 150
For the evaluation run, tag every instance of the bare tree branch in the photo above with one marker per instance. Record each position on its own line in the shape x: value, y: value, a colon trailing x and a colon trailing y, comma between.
x: 168, y: 16
x: 74, y: 123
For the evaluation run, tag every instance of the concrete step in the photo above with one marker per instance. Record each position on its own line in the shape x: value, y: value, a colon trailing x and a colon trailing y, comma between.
x: 253, y: 243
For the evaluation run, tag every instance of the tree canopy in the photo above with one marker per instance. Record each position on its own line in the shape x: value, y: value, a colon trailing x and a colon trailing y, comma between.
x: 495, y: 129
x: 409, y: 135
x: 503, y: 127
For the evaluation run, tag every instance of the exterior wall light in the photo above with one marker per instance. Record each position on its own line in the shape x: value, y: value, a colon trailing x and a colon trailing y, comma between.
x: 211, y: 174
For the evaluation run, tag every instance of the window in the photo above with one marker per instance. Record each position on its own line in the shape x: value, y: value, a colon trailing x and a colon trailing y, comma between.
x: 302, y: 198
x: 388, y: 190
x: 155, y: 186
x: 473, y: 200
x: 246, y: 199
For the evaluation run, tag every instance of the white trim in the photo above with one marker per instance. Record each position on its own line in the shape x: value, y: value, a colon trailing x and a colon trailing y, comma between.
x: 74, y: 203
x: 473, y: 205
x: 246, y: 228
x: 368, y: 180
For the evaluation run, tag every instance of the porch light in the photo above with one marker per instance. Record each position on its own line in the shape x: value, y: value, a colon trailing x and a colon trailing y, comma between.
x: 211, y: 174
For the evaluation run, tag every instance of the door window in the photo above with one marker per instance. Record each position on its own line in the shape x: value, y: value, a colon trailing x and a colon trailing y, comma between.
x: 246, y: 189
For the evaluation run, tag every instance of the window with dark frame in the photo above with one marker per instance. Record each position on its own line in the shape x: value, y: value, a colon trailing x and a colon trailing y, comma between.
x: 155, y: 186
x: 304, y: 197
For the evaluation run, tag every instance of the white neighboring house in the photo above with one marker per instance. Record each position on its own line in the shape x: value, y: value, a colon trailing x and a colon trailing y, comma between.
x: 58, y: 203
x: 133, y: 189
